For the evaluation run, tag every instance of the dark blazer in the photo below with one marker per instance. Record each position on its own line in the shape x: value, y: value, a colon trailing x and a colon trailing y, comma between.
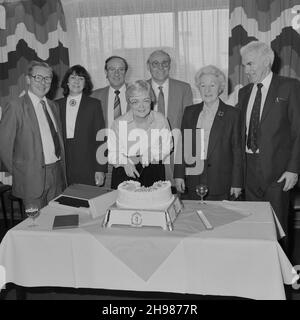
x: 279, y: 131
x: 102, y: 95
x: 88, y: 122
x: 223, y: 166
x: 21, y: 147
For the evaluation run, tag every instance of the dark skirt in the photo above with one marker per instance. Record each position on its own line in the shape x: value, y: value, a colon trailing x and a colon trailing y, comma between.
x: 78, y: 169
x: 148, y: 175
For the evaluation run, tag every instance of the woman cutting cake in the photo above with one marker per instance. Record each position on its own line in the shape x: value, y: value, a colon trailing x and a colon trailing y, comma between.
x: 140, y: 140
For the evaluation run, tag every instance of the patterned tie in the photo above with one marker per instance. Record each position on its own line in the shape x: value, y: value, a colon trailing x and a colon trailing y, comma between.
x: 161, y: 101
x: 52, y: 130
x: 252, y: 143
x: 117, y: 105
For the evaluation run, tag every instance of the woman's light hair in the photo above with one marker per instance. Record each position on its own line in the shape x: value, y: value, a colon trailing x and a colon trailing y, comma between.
x: 137, y: 86
x: 211, y: 70
x: 260, y: 48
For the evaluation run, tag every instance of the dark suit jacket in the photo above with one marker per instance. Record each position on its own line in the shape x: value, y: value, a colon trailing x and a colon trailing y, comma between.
x: 180, y: 96
x: 102, y: 95
x: 88, y: 122
x: 223, y: 167
x: 279, y: 131
x: 21, y: 146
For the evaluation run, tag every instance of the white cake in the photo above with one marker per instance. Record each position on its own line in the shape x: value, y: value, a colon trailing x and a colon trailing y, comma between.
x: 132, y: 195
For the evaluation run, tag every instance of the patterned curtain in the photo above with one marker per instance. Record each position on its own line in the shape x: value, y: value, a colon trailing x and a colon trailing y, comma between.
x: 30, y: 30
x: 33, y: 30
x: 276, y: 22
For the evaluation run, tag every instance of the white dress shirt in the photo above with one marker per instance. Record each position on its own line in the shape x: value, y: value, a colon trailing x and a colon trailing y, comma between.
x: 165, y: 89
x: 111, y: 102
x: 47, y: 140
x: 264, y: 91
x: 71, y: 114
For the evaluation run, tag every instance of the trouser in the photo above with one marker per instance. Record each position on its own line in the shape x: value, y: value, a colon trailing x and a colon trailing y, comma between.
x: 52, y: 188
x: 255, y: 190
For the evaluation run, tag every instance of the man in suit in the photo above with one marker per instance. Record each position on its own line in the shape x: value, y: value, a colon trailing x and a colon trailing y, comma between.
x: 172, y: 95
x: 112, y: 97
x: 31, y: 145
x: 270, y: 131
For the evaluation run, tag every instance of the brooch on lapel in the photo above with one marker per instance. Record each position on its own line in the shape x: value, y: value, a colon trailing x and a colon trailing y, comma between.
x: 220, y: 114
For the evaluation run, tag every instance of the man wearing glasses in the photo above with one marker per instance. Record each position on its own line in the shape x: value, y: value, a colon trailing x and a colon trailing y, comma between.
x: 172, y: 96
x: 31, y: 145
x: 112, y: 97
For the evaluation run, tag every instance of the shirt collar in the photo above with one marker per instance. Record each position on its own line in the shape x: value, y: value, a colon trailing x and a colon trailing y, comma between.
x: 35, y: 99
x: 164, y: 85
x: 122, y: 89
x: 76, y: 98
x: 267, y: 80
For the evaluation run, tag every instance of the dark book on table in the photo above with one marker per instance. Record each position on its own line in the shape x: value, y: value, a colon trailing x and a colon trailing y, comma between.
x: 66, y: 221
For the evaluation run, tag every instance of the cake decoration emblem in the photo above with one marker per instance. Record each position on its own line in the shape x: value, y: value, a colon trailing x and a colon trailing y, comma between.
x: 136, y: 219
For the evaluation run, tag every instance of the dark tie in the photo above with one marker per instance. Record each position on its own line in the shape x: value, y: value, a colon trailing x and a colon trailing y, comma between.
x: 161, y: 101
x: 117, y: 105
x: 52, y: 129
x: 252, y: 143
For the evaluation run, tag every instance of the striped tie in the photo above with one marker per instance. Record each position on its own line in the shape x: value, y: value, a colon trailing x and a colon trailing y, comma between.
x: 252, y: 141
x: 117, y: 105
x: 161, y: 101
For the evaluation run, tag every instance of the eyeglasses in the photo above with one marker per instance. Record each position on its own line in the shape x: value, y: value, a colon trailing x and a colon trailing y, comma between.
x: 39, y: 78
x: 163, y: 64
x: 113, y: 70
x: 76, y: 77
x: 134, y: 101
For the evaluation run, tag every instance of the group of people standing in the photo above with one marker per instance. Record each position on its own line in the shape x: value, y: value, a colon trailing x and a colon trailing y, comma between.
x: 254, y: 146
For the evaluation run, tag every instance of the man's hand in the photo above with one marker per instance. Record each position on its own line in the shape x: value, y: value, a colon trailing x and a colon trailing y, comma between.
x: 236, y: 191
x: 99, y: 178
x: 180, y: 185
x: 290, y: 178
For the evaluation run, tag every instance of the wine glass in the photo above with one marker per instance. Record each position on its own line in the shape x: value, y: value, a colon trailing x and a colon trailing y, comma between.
x: 32, y: 213
x: 201, y: 190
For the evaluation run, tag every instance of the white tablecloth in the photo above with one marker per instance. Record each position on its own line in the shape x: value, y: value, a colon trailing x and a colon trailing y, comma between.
x: 239, y: 257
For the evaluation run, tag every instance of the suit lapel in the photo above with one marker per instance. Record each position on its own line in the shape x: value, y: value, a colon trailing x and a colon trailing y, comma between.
x: 29, y: 109
x: 63, y: 106
x: 195, y: 115
x: 272, y: 92
x: 80, y: 115
x: 105, y: 106
x: 244, y: 106
x: 172, y: 102
x: 217, y: 128
x: 28, y: 106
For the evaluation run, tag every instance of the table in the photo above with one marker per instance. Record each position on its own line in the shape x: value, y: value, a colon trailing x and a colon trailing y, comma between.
x: 239, y: 257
